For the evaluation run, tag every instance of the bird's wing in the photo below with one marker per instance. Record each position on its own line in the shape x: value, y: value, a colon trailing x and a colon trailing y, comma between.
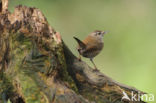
x: 94, y: 48
x: 92, y: 44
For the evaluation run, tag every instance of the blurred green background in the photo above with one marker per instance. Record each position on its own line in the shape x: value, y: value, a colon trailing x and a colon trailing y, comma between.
x: 129, y: 55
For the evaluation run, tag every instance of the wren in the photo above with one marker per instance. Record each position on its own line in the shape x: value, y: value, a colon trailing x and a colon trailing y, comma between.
x: 91, y: 46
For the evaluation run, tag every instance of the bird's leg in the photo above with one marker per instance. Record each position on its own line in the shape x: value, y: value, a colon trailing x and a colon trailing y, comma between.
x: 95, y: 68
x: 79, y: 58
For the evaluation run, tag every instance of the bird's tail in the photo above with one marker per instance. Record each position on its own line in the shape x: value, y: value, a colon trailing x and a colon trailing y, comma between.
x: 81, y: 44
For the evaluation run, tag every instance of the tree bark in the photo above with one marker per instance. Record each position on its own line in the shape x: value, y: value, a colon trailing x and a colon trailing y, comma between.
x: 37, y: 67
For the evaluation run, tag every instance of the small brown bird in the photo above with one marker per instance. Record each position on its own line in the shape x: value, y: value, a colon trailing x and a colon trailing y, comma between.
x: 91, y: 45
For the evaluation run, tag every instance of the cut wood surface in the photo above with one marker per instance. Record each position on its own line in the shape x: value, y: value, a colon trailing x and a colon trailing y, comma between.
x: 37, y: 67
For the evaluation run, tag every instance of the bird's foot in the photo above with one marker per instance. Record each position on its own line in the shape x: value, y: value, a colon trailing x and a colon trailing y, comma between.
x: 95, y: 70
x: 79, y: 59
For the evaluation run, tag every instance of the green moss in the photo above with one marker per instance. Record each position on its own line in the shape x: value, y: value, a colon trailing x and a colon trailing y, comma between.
x: 30, y: 67
x: 21, y: 46
x: 30, y: 90
x: 6, y: 88
x: 63, y: 72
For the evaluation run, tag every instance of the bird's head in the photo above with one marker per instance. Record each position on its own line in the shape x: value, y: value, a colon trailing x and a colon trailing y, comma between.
x: 98, y: 33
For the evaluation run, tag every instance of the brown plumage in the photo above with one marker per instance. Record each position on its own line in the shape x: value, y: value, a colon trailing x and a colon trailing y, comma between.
x: 91, y: 45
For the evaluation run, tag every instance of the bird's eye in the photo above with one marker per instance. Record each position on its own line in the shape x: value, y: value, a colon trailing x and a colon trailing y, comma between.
x: 98, y: 33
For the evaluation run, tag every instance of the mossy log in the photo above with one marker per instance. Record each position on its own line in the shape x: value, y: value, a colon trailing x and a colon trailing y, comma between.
x: 37, y: 67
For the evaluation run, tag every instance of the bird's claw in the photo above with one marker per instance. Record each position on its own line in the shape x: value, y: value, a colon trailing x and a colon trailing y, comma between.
x: 95, y: 70
x: 79, y: 59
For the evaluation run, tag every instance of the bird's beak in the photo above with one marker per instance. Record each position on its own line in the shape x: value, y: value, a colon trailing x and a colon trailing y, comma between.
x: 104, y: 32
